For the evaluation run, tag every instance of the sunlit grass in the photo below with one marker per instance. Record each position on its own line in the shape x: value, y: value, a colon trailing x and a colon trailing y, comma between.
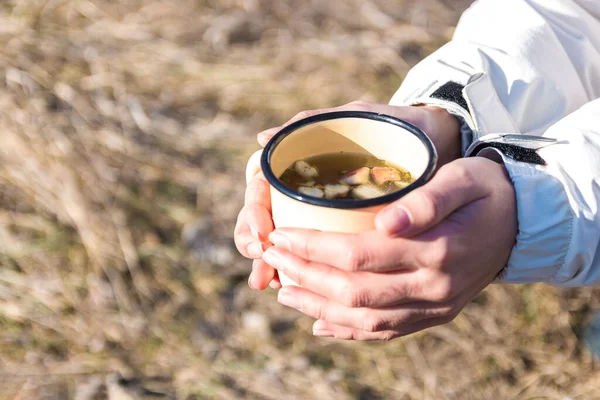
x: 124, y: 131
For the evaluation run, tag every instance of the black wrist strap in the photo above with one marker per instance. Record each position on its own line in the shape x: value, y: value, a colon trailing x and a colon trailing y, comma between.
x: 515, y: 152
x: 451, y: 91
x: 523, y: 151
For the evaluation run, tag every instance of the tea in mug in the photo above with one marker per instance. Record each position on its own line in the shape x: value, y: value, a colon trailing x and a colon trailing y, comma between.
x: 345, y: 175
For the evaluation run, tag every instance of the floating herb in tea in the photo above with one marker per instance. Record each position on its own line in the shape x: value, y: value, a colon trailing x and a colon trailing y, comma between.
x: 345, y: 176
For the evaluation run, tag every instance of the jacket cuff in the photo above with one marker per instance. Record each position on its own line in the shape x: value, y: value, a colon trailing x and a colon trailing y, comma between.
x: 545, y: 223
x: 484, y: 112
x: 455, y: 105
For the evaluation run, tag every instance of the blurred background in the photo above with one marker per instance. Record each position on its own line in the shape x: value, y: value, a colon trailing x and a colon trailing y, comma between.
x: 125, y: 127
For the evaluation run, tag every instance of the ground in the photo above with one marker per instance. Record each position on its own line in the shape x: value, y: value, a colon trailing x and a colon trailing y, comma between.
x: 125, y: 126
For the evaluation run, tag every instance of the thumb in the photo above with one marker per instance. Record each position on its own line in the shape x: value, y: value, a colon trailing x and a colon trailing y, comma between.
x: 454, y: 186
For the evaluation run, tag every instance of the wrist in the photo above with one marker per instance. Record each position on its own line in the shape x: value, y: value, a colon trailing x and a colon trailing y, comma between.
x: 445, y: 132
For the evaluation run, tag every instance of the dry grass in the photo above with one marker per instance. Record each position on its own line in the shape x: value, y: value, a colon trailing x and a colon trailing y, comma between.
x: 125, y: 126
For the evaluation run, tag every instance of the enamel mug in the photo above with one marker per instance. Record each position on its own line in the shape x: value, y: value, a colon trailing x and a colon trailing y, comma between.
x: 382, y: 136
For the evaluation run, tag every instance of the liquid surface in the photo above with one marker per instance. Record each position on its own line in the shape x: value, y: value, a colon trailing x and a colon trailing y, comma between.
x: 345, y: 175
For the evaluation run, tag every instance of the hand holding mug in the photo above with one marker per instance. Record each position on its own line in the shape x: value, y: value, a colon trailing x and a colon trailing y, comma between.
x: 254, y: 221
x: 433, y: 251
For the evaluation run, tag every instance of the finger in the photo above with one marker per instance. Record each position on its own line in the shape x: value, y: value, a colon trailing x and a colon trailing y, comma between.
x: 368, y: 251
x: 415, y: 115
x: 247, y: 238
x: 276, y: 283
x: 264, y: 136
x: 253, y: 166
x: 254, y: 222
x: 245, y: 242
x: 258, y: 192
x: 357, y: 289
x: 258, y: 208
x: 364, y: 318
x: 360, y: 105
x: 262, y: 274
x: 310, y: 113
x: 248, y: 246
x: 259, y: 222
x: 453, y: 187
x: 327, y: 329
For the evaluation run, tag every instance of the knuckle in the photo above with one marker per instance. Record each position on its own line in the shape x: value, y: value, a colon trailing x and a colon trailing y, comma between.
x: 463, y: 173
x: 442, y: 290
x: 346, y: 334
x: 388, y: 336
x: 354, y: 297
x: 300, y: 275
x: 250, y: 192
x: 438, y: 256
x: 460, y: 172
x: 257, y: 191
x: 374, y: 324
x: 448, y: 169
x: 442, y: 252
x: 409, y: 290
x: 250, y: 210
x: 407, y: 318
x: 355, y: 335
x: 431, y: 203
x: 304, y: 249
x: 415, y: 289
x: 319, y: 311
x: 357, y: 257
x: 423, y: 259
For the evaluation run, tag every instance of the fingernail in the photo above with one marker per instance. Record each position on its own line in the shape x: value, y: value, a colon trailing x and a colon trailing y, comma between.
x: 322, y: 333
x: 272, y: 257
x: 254, y: 232
x: 280, y: 240
x: 255, y: 249
x: 393, y: 220
x: 320, y: 329
x: 250, y: 281
x: 283, y: 297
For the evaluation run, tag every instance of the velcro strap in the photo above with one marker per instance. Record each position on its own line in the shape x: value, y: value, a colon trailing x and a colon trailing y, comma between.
x: 451, y: 91
x: 517, y: 153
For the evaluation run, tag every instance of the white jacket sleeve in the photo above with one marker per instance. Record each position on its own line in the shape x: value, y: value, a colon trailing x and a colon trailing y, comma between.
x: 529, y: 67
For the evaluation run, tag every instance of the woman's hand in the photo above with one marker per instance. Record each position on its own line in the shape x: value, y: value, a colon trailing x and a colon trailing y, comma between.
x: 254, y: 222
x: 432, y: 252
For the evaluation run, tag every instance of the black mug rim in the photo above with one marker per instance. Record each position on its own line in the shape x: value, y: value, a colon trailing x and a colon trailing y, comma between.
x: 347, y: 203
